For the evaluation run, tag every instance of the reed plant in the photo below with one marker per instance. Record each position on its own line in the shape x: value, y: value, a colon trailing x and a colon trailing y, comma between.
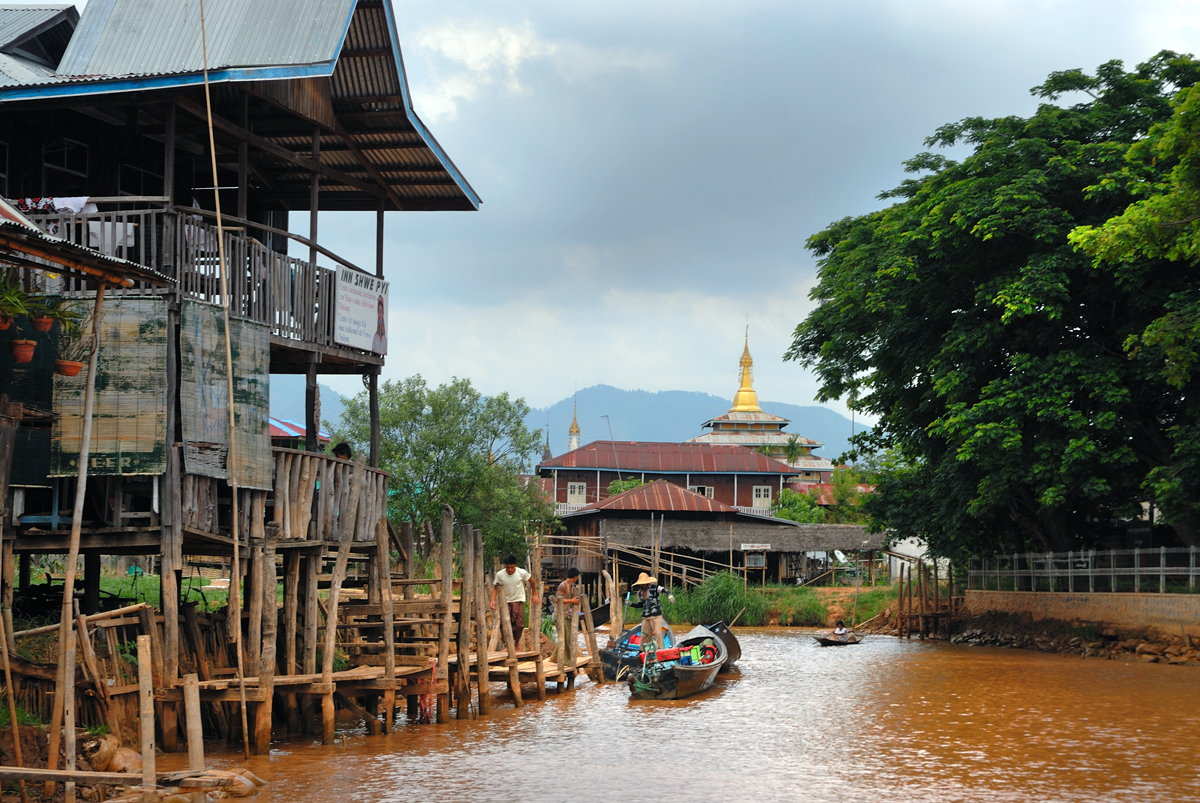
x: 798, y: 606
x: 720, y: 598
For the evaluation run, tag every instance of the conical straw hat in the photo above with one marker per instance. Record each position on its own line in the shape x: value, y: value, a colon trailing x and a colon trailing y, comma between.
x: 646, y: 580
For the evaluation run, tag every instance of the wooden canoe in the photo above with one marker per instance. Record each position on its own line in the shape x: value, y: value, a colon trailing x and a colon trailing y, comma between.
x: 832, y: 642
x: 623, y: 653
x: 675, y: 681
x: 732, y: 647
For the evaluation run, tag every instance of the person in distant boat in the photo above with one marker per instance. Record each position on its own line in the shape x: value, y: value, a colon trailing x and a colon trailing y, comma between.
x: 379, y: 341
x: 840, y: 633
x: 513, y: 578
x: 649, y: 599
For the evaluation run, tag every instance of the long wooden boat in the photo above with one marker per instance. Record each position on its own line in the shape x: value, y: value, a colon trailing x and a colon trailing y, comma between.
x: 832, y: 642
x: 626, y: 649
x: 732, y: 647
x: 673, y: 679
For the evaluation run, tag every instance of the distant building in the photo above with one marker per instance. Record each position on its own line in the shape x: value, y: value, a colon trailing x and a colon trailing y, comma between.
x: 573, y: 434
x: 747, y: 425
x: 728, y: 473
x: 287, y: 434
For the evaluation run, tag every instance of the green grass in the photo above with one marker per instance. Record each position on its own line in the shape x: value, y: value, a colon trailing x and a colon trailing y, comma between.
x: 797, y: 606
x: 872, y: 601
x: 720, y: 598
x: 23, y: 717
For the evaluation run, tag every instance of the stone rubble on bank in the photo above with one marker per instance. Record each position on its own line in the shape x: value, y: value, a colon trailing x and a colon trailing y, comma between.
x: 1109, y: 645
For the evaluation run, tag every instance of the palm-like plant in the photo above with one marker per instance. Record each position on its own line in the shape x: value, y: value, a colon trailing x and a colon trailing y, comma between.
x: 793, y: 450
x: 13, y: 298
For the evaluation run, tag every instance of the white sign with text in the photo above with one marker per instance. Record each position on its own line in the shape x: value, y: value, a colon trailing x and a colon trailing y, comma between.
x: 361, y: 318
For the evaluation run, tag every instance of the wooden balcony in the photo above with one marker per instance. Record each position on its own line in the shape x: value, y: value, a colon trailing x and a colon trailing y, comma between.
x: 295, y: 297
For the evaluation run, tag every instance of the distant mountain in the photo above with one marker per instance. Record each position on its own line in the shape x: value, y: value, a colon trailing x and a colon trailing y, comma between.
x: 675, y: 416
x: 287, y: 399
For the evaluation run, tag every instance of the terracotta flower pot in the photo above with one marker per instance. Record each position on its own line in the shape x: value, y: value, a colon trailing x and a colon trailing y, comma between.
x: 67, y: 367
x: 22, y: 350
x: 42, y: 324
x: 5, y: 321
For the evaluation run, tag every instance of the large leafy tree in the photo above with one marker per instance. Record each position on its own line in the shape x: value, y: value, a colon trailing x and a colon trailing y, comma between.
x: 1163, y: 171
x: 990, y: 349
x: 450, y: 445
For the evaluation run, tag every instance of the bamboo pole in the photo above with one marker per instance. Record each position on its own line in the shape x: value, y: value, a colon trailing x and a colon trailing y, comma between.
x: 12, y: 706
x: 231, y: 460
x: 346, y: 524
x: 65, y: 686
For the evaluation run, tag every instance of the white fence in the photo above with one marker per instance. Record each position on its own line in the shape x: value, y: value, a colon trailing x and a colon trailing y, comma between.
x: 1159, y: 570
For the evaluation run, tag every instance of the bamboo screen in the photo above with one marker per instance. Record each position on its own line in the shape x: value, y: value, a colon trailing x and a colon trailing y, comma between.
x: 129, y: 418
x: 203, y: 395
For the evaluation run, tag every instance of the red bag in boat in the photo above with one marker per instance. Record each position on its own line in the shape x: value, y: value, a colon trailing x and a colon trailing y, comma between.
x: 665, y: 655
x: 635, y: 639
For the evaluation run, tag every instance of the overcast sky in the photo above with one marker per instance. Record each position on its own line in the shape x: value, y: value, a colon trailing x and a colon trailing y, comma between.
x: 650, y: 170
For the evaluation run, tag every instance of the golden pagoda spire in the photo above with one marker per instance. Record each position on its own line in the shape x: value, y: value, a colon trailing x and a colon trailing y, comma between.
x: 573, y: 433
x: 746, y: 400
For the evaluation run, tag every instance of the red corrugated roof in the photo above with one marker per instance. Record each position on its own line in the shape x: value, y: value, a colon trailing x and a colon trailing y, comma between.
x: 669, y: 458
x: 660, y: 496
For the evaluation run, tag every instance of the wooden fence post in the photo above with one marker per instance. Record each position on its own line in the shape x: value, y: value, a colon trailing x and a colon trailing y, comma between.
x: 195, y: 730
x: 146, y: 722
x: 447, y: 566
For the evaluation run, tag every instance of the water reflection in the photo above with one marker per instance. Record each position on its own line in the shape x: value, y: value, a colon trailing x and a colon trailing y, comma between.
x: 884, y: 719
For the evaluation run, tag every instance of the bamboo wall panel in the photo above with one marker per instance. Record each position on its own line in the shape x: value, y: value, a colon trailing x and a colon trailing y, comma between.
x: 130, y: 414
x: 203, y: 396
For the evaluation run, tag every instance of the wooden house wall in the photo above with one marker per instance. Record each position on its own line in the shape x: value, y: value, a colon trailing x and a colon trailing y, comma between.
x: 723, y: 485
x: 129, y: 420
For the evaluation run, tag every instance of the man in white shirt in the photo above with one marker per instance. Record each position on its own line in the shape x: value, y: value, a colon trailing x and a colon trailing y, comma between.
x: 513, y: 579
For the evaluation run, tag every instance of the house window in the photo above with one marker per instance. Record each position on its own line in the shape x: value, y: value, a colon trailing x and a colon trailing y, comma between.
x: 67, y: 155
x: 576, y: 493
x: 762, y: 496
x: 808, y: 475
x: 703, y: 490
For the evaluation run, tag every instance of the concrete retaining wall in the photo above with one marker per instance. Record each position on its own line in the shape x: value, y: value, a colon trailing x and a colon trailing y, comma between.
x: 1164, y: 612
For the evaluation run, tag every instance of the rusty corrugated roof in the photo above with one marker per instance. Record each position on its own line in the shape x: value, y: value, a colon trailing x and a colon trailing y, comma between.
x: 662, y: 497
x: 669, y: 458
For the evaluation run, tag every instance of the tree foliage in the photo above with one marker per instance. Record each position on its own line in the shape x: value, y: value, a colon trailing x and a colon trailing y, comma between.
x: 621, y: 486
x: 992, y: 351
x: 796, y: 506
x: 450, y: 445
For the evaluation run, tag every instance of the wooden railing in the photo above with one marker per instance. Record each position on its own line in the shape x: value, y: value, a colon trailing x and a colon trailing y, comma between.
x: 310, y: 500
x: 296, y: 298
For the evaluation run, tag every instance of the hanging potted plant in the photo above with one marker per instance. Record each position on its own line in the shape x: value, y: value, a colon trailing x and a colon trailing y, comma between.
x: 22, y: 350
x: 13, y: 298
x: 74, y: 336
x: 39, y: 311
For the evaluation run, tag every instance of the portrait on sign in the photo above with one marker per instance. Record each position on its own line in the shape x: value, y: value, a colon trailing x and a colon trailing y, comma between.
x: 362, y: 304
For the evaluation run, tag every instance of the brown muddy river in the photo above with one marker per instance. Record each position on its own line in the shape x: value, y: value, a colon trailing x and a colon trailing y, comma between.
x: 884, y: 720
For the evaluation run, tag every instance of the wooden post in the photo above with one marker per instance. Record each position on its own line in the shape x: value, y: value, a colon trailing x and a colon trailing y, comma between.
x: 291, y: 591
x: 447, y: 566
x: 483, y: 668
x: 254, y: 604
x: 595, y: 669
x: 465, y: 603
x: 560, y: 652
x: 146, y: 711
x: 346, y: 523
x: 514, y: 675
x: 12, y: 704
x: 269, y: 613
x: 195, y: 730
x: 383, y: 560
x: 573, y: 627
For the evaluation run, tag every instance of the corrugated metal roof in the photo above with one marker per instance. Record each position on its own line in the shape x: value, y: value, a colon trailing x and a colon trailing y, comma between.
x: 15, y: 21
x: 162, y: 37
x: 660, y: 496
x: 669, y: 458
x: 283, y: 428
x: 757, y: 417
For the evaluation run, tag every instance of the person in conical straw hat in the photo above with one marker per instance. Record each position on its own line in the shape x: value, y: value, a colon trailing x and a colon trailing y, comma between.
x: 650, y: 601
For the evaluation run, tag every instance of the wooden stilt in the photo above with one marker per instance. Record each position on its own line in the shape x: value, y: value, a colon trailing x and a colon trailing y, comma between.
x: 447, y: 596
x: 146, y: 709
x: 269, y: 612
x: 291, y: 590
x: 560, y: 651
x: 514, y: 675
x: 595, y: 670
x: 345, y: 539
x: 483, y: 669
x: 466, y: 601
x: 195, y: 731
x: 383, y: 560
